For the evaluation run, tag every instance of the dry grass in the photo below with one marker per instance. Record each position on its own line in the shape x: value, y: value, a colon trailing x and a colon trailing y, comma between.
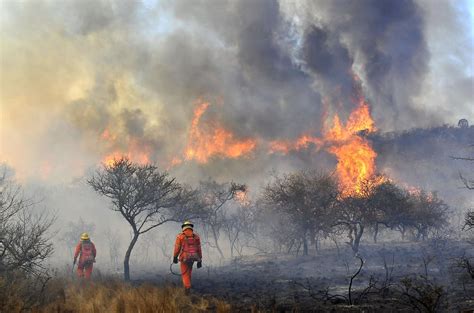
x: 116, y: 296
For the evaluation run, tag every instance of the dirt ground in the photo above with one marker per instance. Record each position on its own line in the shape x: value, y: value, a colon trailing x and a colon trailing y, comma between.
x: 320, y: 282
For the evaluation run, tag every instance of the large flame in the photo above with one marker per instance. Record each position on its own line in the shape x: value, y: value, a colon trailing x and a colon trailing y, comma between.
x: 206, y: 140
x: 355, y: 156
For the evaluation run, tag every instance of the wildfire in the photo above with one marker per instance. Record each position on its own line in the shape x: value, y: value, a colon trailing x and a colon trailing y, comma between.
x: 134, y: 151
x: 420, y: 193
x: 206, y: 140
x: 356, y: 158
x: 242, y: 198
x: 285, y: 146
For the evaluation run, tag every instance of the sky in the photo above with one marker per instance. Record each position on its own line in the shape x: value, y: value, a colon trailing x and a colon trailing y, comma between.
x: 83, y: 81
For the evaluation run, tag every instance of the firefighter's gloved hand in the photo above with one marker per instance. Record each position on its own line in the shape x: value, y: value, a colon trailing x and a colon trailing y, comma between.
x: 199, y: 264
x: 175, y: 260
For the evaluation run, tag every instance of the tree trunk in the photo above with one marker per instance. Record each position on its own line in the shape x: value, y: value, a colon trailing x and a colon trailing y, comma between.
x: 402, y: 231
x: 376, y: 232
x: 298, y: 249
x: 291, y: 246
x: 305, y: 245
x: 216, y: 241
x: 126, y: 261
x: 358, y: 232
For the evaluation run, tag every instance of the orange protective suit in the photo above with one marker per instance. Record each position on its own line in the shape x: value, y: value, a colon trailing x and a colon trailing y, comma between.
x: 180, y: 251
x: 84, y: 266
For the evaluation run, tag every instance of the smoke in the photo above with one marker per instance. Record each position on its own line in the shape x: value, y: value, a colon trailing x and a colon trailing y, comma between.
x: 82, y: 80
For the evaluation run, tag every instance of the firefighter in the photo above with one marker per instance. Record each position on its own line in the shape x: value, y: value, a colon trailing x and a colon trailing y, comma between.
x: 86, y: 252
x: 187, y: 250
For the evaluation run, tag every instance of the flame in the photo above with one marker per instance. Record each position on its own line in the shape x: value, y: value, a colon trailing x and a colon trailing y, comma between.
x: 355, y: 155
x: 134, y: 150
x: 242, y: 197
x: 211, y: 139
x: 356, y: 158
x: 285, y: 146
x: 176, y: 161
x: 107, y: 135
x: 420, y: 193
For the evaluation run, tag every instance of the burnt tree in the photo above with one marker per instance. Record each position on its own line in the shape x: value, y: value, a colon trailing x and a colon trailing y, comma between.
x: 145, y: 197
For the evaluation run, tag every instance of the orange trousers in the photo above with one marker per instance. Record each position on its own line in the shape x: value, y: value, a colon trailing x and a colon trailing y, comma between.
x: 186, y: 271
x: 84, y: 269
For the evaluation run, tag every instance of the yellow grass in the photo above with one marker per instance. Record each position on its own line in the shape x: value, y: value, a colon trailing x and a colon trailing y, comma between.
x: 116, y: 296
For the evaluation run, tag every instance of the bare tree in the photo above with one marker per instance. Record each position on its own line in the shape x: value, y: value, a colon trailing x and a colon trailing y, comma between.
x: 113, y: 243
x: 24, y: 246
x: 469, y: 220
x: 214, y: 196
x: 304, y: 199
x: 24, y: 243
x: 145, y: 197
x: 238, y: 226
x: 468, y: 182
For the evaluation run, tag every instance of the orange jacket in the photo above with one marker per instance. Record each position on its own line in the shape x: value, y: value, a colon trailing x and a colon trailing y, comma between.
x: 79, y: 251
x: 179, y: 244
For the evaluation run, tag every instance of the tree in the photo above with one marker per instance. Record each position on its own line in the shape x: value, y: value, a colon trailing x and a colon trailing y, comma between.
x: 392, y: 208
x: 469, y: 220
x: 359, y: 211
x: 113, y: 243
x: 428, y: 212
x: 469, y: 184
x: 24, y: 243
x: 305, y: 199
x: 145, y: 197
x: 239, y: 225
x: 214, y: 196
x: 24, y: 247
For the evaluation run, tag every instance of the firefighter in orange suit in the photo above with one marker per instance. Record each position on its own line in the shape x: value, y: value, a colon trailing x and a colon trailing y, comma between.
x: 86, y: 252
x: 187, y: 250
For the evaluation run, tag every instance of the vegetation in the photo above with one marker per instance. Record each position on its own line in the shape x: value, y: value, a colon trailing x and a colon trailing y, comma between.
x: 24, y: 246
x: 315, y: 208
x: 145, y: 197
x: 116, y: 296
x: 293, y: 213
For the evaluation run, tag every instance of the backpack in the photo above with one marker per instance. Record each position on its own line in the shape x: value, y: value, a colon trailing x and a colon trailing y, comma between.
x: 190, y: 249
x: 87, y: 255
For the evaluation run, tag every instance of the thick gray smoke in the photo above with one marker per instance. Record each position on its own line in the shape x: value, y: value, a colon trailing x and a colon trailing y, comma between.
x: 271, y: 70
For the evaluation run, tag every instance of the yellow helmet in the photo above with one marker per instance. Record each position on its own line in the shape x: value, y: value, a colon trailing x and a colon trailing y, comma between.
x: 85, y: 236
x: 187, y: 225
